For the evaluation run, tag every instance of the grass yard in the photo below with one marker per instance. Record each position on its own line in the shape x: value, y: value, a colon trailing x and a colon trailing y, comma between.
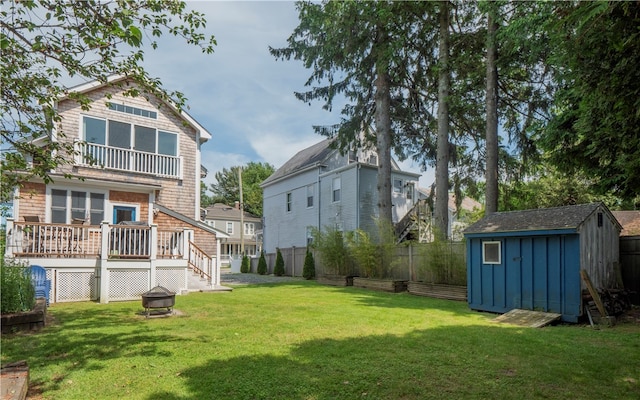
x: 306, y: 341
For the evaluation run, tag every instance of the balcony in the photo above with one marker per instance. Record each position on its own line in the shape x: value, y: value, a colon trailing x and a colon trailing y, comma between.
x: 119, y: 159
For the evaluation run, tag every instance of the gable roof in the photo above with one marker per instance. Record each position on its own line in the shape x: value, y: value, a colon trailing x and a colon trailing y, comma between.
x: 220, y: 211
x: 310, y: 157
x: 555, y: 218
x: 190, y: 221
x: 113, y: 79
x: 630, y: 221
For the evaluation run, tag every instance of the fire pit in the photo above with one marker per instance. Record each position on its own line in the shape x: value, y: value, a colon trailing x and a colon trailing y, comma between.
x: 158, y: 297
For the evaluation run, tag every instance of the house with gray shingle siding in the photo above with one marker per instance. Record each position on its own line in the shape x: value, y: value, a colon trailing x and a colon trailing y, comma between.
x: 320, y: 187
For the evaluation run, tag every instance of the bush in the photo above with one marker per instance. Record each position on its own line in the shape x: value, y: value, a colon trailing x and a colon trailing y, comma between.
x: 332, y: 250
x: 278, y: 269
x: 245, y: 267
x: 262, y: 264
x: 17, y: 293
x: 309, y: 269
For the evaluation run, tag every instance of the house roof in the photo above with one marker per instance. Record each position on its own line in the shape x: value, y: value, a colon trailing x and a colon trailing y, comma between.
x: 630, y: 221
x: 113, y: 79
x: 468, y: 204
x: 308, y: 158
x: 219, y: 234
x: 220, y: 211
x: 555, y: 218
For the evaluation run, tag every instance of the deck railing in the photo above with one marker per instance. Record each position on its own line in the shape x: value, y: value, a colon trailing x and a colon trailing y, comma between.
x: 34, y: 240
x: 116, y: 158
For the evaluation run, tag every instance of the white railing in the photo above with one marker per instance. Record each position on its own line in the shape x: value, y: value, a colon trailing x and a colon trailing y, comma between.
x: 115, y: 158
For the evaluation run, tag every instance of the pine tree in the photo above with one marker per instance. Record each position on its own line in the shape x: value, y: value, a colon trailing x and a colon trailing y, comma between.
x: 278, y: 270
x: 309, y: 269
x: 245, y: 266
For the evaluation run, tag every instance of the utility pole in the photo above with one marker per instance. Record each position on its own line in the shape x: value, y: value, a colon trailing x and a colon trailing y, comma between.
x: 241, y: 212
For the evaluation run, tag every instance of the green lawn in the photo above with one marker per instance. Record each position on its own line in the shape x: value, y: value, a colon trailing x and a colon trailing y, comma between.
x: 306, y: 341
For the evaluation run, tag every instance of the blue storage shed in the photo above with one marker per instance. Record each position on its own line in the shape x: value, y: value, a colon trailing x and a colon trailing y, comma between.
x: 532, y: 259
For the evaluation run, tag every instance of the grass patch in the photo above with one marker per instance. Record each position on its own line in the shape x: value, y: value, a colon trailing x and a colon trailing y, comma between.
x: 306, y: 341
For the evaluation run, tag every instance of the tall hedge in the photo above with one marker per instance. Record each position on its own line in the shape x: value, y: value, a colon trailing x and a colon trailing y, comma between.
x: 309, y: 269
x: 262, y: 264
x: 278, y: 269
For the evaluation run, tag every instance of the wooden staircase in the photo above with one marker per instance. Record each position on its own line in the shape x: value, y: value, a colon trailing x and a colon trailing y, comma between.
x: 416, y: 224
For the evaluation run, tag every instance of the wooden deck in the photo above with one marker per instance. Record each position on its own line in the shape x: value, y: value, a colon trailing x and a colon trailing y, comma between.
x: 527, y: 318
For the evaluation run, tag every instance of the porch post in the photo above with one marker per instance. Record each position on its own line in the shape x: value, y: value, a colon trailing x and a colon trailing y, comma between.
x: 218, y: 262
x: 10, y: 238
x: 153, y: 255
x: 104, y: 259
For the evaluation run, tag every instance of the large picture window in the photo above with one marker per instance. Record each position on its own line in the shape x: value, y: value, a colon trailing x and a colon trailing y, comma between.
x: 67, y: 205
x: 491, y: 252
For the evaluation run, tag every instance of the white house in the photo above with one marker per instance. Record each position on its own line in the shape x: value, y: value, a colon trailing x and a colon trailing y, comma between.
x: 320, y: 187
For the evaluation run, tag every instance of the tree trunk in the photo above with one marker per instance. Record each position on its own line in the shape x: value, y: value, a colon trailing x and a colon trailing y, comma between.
x: 441, y: 214
x: 491, y: 172
x: 383, y: 143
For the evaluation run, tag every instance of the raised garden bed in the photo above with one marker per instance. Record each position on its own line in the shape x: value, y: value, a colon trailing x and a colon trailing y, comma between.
x: 25, y: 321
x: 386, y: 285
x: 336, y: 280
x: 439, y: 291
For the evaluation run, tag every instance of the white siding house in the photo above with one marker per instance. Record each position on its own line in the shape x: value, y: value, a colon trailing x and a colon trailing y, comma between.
x: 319, y: 187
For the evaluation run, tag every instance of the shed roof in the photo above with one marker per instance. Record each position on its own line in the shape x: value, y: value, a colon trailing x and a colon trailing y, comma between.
x: 555, y: 218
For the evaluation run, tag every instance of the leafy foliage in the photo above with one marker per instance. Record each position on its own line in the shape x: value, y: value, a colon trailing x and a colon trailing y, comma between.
x: 262, y: 264
x: 332, y: 249
x: 45, y: 44
x: 278, y: 269
x: 309, y: 269
x: 443, y: 262
x: 16, y: 289
x: 227, y: 190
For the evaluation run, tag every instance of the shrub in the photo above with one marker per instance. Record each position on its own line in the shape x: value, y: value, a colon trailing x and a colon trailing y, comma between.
x: 17, y: 293
x: 246, y: 264
x: 278, y: 269
x: 262, y: 264
x: 332, y: 250
x: 309, y: 269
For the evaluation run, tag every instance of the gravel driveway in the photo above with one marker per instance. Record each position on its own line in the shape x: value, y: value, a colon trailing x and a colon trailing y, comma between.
x: 227, y: 277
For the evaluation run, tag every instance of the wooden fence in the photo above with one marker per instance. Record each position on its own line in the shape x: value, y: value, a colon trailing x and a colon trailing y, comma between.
x: 630, y: 266
x: 428, y: 262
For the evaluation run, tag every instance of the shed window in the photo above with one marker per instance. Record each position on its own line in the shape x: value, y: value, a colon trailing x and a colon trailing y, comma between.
x: 491, y: 253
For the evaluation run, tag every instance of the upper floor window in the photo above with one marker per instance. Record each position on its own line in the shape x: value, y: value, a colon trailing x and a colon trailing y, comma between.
x: 67, y: 205
x: 230, y: 228
x: 128, y: 136
x: 335, y: 185
x: 397, y: 186
x: 249, y: 228
x: 310, y: 192
x: 133, y: 110
x: 289, y: 202
x: 411, y: 187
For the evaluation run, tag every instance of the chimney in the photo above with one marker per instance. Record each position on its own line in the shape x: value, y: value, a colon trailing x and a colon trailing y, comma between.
x: 237, y: 205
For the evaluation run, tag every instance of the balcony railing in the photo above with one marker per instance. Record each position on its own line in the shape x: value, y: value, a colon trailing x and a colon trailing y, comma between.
x: 119, y: 159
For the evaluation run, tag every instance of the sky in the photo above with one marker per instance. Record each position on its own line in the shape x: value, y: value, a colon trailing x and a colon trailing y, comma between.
x: 241, y: 94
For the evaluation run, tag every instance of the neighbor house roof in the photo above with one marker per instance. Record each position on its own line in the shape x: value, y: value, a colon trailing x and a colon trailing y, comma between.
x: 467, y: 204
x: 310, y: 157
x: 555, y: 218
x: 219, y: 234
x: 630, y: 221
x: 220, y: 211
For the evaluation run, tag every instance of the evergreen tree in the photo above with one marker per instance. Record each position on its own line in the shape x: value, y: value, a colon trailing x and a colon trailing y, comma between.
x: 245, y: 267
x: 309, y: 269
x: 262, y: 264
x: 278, y: 269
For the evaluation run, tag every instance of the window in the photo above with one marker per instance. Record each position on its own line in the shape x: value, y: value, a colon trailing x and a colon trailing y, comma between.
x: 335, y: 185
x: 491, y: 253
x: 127, y: 136
x: 397, y: 186
x: 373, y: 160
x: 249, y: 228
x: 310, y: 190
x: 353, y: 156
x: 69, y: 204
x: 289, y: 205
x: 230, y: 228
x: 133, y: 110
x: 410, y: 189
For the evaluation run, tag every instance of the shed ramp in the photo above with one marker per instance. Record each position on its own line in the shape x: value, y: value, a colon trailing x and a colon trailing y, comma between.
x: 527, y: 318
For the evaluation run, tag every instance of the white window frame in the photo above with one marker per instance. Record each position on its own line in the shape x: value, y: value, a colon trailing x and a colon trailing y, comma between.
x: 336, y: 189
x: 249, y: 228
x: 310, y: 195
x: 106, y: 208
x: 484, y: 252
x: 397, y: 186
x: 229, y: 225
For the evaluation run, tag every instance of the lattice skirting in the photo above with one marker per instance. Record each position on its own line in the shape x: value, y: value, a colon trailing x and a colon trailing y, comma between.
x: 174, y: 279
x: 127, y: 284
x: 75, y: 285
